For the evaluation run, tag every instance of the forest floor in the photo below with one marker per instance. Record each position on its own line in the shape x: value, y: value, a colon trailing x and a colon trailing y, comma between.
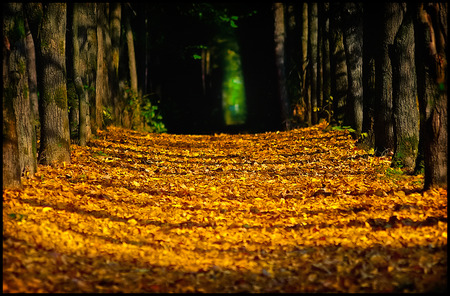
x: 297, y: 211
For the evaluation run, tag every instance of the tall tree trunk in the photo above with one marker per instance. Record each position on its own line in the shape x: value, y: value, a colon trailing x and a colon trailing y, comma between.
x: 432, y: 86
x: 101, y: 91
x: 26, y: 132
x: 313, y: 58
x: 353, y: 42
x: 383, y: 125
x: 77, y: 75
x: 325, y: 26
x: 279, y: 37
x: 55, y: 136
x: 305, y: 85
x: 371, y: 15
x: 89, y: 55
x: 32, y: 77
x: 338, y: 66
x: 12, y: 88
x: 405, y: 105
x: 113, y: 58
x: 136, y: 117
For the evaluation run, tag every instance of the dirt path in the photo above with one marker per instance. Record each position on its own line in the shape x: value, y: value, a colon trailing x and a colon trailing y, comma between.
x: 298, y: 211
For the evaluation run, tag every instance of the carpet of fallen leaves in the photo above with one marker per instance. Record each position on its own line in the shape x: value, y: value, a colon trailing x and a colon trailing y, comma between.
x: 297, y: 211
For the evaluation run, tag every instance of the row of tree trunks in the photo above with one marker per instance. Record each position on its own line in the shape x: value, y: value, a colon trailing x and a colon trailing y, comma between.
x: 88, y: 39
x: 395, y: 95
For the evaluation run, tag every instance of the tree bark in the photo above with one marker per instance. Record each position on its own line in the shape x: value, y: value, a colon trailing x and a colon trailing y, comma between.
x: 136, y: 117
x: 89, y: 55
x: 26, y: 132
x: 432, y: 90
x: 326, y: 61
x: 279, y: 37
x: 353, y: 44
x: 32, y: 77
x: 313, y: 58
x: 12, y: 82
x: 100, y: 89
x: 113, y: 60
x: 55, y: 136
x: 405, y: 105
x: 82, y: 65
x: 338, y: 66
x: 305, y: 85
x: 383, y: 125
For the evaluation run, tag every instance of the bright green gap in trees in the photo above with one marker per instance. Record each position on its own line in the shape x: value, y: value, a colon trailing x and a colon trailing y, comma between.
x: 233, y: 89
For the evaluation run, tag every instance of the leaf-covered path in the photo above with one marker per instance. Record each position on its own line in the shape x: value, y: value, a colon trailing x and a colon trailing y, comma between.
x: 297, y: 211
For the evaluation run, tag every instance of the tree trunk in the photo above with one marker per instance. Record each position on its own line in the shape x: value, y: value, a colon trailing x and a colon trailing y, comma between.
x: 100, y: 90
x: 55, y: 136
x: 32, y: 77
x: 136, y: 117
x: 113, y: 60
x: 13, y: 82
x: 89, y: 56
x: 305, y: 85
x: 383, y: 125
x: 432, y: 86
x: 279, y: 37
x: 405, y: 105
x: 80, y: 68
x: 19, y: 90
x: 313, y: 55
x: 338, y: 66
x: 371, y: 15
x: 353, y: 42
x: 327, y: 102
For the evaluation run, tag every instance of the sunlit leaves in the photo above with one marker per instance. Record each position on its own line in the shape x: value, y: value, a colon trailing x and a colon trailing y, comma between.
x: 298, y: 211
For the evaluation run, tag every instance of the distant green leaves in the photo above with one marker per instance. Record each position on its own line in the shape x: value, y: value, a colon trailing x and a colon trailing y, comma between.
x: 229, y: 19
x: 153, y: 117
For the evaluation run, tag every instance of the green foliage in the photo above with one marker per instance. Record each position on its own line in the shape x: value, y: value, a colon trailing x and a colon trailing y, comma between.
x: 107, y: 116
x: 149, y: 110
x: 152, y: 116
x: 194, y: 51
x: 393, y: 172
x: 17, y: 32
x: 210, y: 13
x: 343, y: 128
x: 100, y: 153
x: 229, y: 19
x: 89, y: 88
